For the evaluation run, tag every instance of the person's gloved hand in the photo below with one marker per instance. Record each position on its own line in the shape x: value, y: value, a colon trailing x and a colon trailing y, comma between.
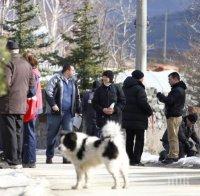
x: 188, y: 145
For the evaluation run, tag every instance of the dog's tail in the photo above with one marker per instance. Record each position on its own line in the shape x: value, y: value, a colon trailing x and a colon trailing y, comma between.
x: 112, y: 130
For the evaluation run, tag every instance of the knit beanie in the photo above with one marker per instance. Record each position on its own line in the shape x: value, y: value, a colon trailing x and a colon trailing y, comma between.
x: 12, y: 45
x: 192, y: 118
x: 137, y: 74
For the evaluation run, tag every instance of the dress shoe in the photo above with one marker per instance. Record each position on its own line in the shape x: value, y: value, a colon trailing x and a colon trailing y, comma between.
x: 29, y: 165
x: 49, y: 161
x: 6, y: 165
x: 136, y: 164
x: 169, y: 160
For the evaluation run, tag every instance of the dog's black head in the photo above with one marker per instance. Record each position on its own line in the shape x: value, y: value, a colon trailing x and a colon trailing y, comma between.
x: 69, y: 140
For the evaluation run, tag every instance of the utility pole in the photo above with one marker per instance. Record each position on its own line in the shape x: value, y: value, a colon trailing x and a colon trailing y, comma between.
x: 2, y: 16
x: 141, y: 35
x: 165, y: 39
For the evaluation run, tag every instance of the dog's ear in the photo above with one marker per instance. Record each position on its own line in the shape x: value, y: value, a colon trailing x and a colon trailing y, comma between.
x: 73, y: 136
x: 70, y: 140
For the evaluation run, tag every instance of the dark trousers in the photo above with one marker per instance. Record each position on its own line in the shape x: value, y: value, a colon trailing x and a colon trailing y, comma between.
x: 1, y: 142
x: 54, y: 122
x: 12, y: 137
x: 29, y: 143
x: 134, y: 144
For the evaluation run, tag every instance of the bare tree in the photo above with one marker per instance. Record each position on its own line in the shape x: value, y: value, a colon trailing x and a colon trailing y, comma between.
x: 116, y: 25
x: 192, y: 58
x: 56, y: 16
x: 116, y: 20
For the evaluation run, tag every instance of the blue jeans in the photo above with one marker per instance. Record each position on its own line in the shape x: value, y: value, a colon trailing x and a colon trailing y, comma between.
x: 54, y: 122
x: 29, y: 143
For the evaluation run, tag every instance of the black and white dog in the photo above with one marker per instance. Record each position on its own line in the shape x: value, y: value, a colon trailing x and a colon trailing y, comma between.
x: 86, y: 152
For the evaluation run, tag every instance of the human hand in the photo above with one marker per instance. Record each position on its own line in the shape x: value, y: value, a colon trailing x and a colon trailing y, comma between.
x: 55, y: 108
x: 188, y: 145
x: 108, y: 111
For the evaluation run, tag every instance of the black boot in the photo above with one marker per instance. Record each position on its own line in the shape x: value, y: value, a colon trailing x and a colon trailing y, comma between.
x: 169, y: 160
x: 49, y: 161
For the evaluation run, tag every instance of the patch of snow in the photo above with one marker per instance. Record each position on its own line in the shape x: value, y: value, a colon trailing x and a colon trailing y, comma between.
x: 189, y: 162
x: 158, y: 80
x: 149, y: 158
x: 39, y: 187
x: 41, y: 31
x: 12, y: 178
x: 15, y: 182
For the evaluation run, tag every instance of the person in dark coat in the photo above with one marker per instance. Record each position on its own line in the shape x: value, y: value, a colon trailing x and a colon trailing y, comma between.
x: 135, y: 116
x: 89, y: 114
x: 109, y: 100
x: 186, y: 131
x: 20, y: 82
x: 174, y: 104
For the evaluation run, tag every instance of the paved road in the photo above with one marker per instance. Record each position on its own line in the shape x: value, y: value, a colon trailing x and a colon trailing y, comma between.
x: 144, y: 181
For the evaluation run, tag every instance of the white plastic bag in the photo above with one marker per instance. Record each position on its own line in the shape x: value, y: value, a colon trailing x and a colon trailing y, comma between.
x: 77, y: 120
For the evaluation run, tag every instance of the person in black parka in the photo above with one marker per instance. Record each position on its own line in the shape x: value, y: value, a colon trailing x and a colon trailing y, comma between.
x: 89, y: 114
x: 109, y: 100
x: 135, y: 115
x: 174, y: 105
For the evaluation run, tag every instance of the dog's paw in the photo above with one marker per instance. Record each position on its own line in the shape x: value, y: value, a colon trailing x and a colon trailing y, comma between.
x: 114, y: 187
x: 85, y: 186
x: 75, y: 187
x: 125, y: 187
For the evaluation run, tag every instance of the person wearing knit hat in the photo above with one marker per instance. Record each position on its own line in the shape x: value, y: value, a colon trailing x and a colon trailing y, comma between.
x: 109, y: 100
x: 12, y: 45
x: 20, y: 81
x: 187, y: 138
x: 135, y: 116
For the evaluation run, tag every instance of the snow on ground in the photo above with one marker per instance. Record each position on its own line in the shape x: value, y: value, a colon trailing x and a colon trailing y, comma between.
x: 187, y: 162
x: 158, y: 80
x: 15, y: 182
x: 149, y: 158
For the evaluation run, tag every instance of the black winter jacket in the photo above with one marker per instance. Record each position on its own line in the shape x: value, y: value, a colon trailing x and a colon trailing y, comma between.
x: 174, y: 102
x: 137, y: 110
x: 104, y: 96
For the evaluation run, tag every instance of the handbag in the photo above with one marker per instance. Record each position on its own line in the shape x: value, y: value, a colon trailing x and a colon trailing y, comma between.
x: 31, y: 109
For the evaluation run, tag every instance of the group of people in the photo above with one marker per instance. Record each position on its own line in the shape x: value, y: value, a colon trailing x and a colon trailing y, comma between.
x: 127, y: 105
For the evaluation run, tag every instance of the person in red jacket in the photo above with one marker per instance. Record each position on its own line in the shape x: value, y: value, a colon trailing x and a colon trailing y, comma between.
x: 34, y: 108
